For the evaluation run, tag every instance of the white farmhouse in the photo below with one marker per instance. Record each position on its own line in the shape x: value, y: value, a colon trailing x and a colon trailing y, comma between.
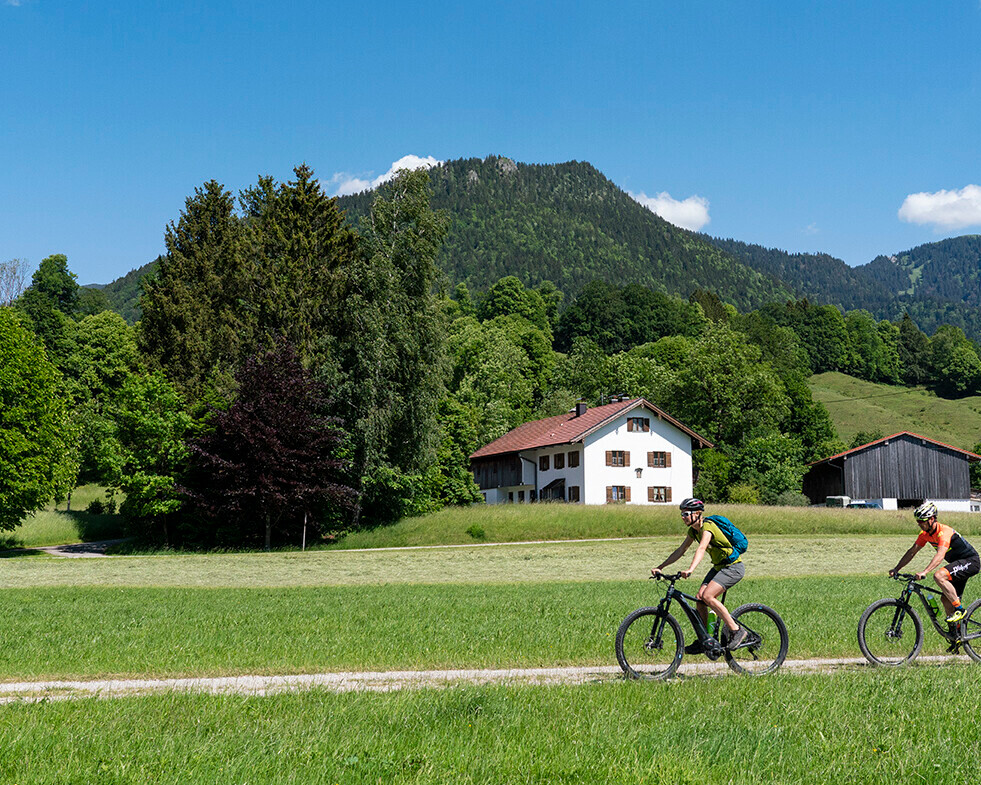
x: 629, y: 451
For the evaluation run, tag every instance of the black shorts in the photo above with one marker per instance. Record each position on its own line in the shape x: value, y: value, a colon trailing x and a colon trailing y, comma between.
x: 960, y: 570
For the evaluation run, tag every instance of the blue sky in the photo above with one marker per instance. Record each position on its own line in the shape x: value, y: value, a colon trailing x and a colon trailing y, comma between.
x: 847, y: 128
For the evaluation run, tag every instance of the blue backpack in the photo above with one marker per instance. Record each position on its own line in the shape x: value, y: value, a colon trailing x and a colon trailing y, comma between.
x: 736, y: 538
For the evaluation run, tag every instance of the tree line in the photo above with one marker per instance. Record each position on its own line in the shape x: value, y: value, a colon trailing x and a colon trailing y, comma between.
x: 293, y: 373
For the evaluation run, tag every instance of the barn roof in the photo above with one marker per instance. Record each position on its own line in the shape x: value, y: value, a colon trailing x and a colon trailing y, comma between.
x: 568, y: 428
x: 970, y: 455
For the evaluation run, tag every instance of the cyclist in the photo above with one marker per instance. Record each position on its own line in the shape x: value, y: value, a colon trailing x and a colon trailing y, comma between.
x: 723, y: 575
x: 962, y: 559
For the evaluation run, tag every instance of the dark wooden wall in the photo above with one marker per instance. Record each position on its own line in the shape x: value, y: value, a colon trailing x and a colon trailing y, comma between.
x: 499, y: 471
x: 902, y: 468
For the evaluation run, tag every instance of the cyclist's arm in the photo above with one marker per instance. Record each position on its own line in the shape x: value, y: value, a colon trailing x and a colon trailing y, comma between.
x: 934, y: 562
x: 674, y: 556
x: 699, y: 553
x: 907, y: 558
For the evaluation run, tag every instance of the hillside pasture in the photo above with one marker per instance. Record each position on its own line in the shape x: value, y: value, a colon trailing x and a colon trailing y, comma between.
x: 856, y: 405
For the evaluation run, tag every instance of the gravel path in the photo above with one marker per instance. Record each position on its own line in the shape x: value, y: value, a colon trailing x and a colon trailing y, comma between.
x: 378, y: 681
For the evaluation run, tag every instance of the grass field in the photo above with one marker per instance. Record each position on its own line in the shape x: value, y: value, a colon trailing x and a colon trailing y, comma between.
x: 856, y: 405
x: 492, y: 606
x: 55, y: 525
x: 531, y: 522
x: 851, y: 727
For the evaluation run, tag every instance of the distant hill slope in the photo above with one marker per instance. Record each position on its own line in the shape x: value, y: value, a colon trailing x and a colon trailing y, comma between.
x: 936, y: 283
x: 569, y: 224
x: 855, y: 405
x: 123, y: 294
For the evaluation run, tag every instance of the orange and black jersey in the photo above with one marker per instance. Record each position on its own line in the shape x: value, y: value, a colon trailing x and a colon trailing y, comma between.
x: 957, y: 547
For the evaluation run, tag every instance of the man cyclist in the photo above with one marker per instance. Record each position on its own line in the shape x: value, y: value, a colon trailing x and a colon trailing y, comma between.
x: 723, y: 575
x: 962, y: 559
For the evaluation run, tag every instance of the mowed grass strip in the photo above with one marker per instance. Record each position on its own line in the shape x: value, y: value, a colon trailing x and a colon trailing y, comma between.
x: 862, y: 726
x: 98, y: 632
x: 769, y: 556
x: 554, y: 521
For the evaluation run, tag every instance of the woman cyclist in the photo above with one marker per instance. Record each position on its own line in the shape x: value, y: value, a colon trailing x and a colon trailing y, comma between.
x: 724, y: 573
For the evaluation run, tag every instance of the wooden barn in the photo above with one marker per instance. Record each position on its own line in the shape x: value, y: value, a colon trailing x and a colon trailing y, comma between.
x: 898, y: 471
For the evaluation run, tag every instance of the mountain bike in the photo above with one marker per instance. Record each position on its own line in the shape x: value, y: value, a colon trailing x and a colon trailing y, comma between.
x: 890, y: 632
x: 650, y: 645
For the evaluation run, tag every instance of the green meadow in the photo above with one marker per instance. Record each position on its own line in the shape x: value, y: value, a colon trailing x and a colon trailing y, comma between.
x: 859, y: 726
x: 856, y: 405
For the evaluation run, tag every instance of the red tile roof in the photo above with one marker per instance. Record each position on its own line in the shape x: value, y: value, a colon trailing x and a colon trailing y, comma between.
x: 970, y: 455
x: 567, y: 428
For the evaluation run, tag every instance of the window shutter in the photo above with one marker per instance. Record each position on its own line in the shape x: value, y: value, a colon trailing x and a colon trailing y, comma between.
x: 667, y: 493
x: 626, y: 459
x: 667, y: 460
x: 647, y: 424
x: 609, y: 494
x: 650, y: 459
x: 627, y: 490
x: 609, y: 459
x: 650, y: 494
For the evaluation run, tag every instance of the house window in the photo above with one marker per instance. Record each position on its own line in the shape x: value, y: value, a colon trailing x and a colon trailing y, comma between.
x: 559, y: 460
x: 543, y: 463
x: 638, y: 424
x: 659, y: 460
x: 617, y: 493
x: 521, y: 496
x: 658, y: 493
x: 573, y: 493
x: 573, y: 459
x: 511, y: 496
x: 617, y: 458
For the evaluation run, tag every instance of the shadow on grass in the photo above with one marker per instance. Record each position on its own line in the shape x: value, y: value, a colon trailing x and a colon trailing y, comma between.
x: 92, y: 527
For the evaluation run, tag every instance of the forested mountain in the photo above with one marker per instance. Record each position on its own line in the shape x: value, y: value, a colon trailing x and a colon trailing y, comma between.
x: 569, y: 224
x: 936, y: 283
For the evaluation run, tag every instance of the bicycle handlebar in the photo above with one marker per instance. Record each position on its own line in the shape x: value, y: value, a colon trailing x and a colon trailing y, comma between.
x: 903, y: 576
x: 676, y: 576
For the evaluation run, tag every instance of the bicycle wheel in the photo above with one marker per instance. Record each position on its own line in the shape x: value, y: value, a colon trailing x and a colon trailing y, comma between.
x: 971, y: 627
x: 765, y: 646
x: 649, y: 644
x: 884, y: 633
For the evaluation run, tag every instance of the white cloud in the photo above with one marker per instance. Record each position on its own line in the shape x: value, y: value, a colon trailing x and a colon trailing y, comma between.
x: 811, y: 228
x: 352, y: 184
x: 944, y: 209
x: 691, y: 213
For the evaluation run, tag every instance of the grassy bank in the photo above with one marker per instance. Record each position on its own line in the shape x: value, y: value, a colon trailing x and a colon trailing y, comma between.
x: 859, y: 726
x: 57, y: 525
x: 93, y: 632
x: 521, y: 523
x: 856, y: 405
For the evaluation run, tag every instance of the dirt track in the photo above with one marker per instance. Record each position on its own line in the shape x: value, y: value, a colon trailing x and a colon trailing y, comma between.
x: 376, y: 681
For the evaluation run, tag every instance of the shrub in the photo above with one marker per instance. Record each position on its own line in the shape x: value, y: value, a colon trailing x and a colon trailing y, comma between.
x: 744, y: 493
x: 96, y: 507
x: 792, y: 499
x: 477, y: 532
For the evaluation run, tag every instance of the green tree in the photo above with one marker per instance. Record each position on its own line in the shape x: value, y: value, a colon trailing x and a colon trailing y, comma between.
x: 195, y: 325
x: 954, y: 363
x: 913, y: 348
x: 299, y: 250
x: 510, y: 297
x: 50, y: 301
x: 773, y: 463
x: 36, y: 457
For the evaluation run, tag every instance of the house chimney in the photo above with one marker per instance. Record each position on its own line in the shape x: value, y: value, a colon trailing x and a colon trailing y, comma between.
x: 581, y: 409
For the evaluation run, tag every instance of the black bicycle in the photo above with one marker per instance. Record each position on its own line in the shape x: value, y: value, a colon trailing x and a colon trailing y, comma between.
x: 650, y: 645
x: 890, y: 632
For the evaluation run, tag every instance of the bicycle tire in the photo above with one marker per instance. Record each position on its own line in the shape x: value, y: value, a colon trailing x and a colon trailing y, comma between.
x: 767, y: 642
x: 880, y: 633
x: 638, y: 655
x: 971, y: 625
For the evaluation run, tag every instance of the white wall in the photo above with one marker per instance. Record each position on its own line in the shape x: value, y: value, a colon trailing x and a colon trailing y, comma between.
x: 662, y: 437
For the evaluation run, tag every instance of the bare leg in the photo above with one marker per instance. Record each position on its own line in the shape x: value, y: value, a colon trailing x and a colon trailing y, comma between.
x: 949, y: 594
x: 708, y: 595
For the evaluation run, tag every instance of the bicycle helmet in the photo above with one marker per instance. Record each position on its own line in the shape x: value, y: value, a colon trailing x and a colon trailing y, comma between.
x: 692, y: 505
x: 925, y: 511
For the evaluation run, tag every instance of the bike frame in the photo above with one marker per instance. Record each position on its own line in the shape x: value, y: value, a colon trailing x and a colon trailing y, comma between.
x: 913, y: 587
x: 683, y: 599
